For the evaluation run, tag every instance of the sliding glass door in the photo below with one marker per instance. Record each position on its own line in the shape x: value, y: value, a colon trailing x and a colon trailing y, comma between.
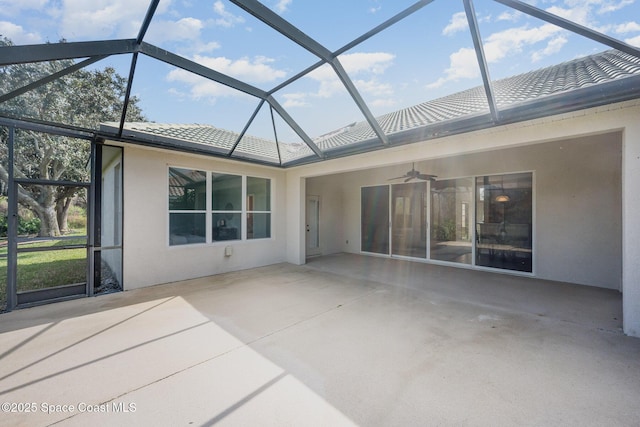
x: 395, y: 220
x: 451, y: 232
x: 409, y: 220
x: 375, y: 219
x: 504, y: 220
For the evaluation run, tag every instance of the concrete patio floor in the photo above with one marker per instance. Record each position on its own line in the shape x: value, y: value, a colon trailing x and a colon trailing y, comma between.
x: 343, y: 340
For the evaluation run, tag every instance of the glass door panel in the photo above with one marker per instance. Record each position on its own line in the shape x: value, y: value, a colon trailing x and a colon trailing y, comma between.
x: 409, y: 220
x: 50, y: 274
x: 375, y: 219
x: 504, y: 219
x: 51, y: 242
x: 451, y: 232
x: 108, y: 236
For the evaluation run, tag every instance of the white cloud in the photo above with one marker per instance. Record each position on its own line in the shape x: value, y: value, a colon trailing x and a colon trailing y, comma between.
x: 511, y: 16
x: 205, y: 47
x: 359, y: 64
x: 282, y: 5
x: 374, y: 62
x: 634, y: 41
x: 256, y: 70
x: 580, y: 14
x: 225, y: 18
x: 297, y: 99
x: 627, y: 27
x: 463, y: 64
x: 553, y: 46
x: 584, y: 11
x: 503, y: 43
x: 612, y: 6
x: 383, y: 102
x: 457, y: 23
x: 374, y: 87
x: 363, y: 68
x: 183, y: 29
x: 354, y: 63
x: 17, y: 34
x: 103, y: 18
x: 199, y: 87
x: 15, y: 7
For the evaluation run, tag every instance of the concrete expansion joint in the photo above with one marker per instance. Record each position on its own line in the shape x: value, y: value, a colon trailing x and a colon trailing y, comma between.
x: 311, y: 317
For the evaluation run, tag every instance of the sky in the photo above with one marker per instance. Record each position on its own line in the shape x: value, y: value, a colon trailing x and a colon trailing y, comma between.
x: 425, y: 56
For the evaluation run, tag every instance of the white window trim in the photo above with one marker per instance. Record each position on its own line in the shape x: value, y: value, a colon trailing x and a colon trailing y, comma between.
x: 209, y: 210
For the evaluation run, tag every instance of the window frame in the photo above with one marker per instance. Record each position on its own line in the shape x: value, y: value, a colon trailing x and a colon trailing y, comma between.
x: 185, y: 211
x: 209, y: 211
x: 251, y: 212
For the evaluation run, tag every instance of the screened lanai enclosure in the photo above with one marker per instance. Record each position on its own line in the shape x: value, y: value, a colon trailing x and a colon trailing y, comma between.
x: 260, y: 83
x: 63, y: 224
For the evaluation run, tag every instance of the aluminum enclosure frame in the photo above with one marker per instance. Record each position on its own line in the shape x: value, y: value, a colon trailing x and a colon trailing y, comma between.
x: 93, y: 51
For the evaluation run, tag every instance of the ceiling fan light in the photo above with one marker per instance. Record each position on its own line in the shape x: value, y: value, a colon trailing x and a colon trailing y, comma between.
x: 502, y: 198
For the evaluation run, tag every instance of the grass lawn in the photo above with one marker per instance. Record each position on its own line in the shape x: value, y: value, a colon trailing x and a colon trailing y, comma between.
x: 39, y: 270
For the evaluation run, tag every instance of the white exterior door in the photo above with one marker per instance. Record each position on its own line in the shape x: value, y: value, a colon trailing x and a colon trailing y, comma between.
x: 313, y: 225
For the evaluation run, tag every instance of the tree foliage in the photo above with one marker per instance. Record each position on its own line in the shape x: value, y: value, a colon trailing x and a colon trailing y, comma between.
x: 84, y: 98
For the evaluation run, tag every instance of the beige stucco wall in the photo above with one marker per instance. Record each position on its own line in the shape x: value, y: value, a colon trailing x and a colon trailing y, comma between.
x: 623, y: 117
x: 577, y: 201
x: 148, y: 258
x: 581, y: 211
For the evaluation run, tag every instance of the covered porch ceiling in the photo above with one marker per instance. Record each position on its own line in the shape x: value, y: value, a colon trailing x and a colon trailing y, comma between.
x: 272, y: 131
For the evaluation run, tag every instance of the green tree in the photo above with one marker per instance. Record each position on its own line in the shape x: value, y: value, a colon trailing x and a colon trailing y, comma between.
x: 84, y: 98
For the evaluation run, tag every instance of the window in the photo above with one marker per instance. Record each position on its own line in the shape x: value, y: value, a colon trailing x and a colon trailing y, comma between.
x: 187, y: 206
x: 258, y: 208
x: 196, y: 195
x: 226, y: 202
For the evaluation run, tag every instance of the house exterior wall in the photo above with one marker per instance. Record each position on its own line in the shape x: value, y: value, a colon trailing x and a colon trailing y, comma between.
x: 148, y: 258
x: 577, y: 203
x: 565, y: 152
x: 622, y: 117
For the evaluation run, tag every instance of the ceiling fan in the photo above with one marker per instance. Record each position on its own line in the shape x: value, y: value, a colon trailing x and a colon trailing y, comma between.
x: 414, y: 174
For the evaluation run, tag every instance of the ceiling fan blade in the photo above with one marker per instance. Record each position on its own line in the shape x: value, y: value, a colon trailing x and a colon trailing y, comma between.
x: 427, y: 177
x: 397, y: 177
x: 409, y: 179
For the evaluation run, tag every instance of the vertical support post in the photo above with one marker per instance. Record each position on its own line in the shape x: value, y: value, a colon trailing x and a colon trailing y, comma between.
x: 296, y: 230
x: 12, y: 229
x: 275, y: 134
x: 631, y: 229
x: 91, y: 229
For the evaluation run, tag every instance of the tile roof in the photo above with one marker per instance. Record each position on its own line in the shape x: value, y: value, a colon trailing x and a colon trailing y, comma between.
x: 563, y: 78
x: 223, y: 140
x: 576, y: 74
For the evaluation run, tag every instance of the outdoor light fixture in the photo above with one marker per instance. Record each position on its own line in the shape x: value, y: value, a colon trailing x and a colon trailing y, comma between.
x: 502, y: 197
